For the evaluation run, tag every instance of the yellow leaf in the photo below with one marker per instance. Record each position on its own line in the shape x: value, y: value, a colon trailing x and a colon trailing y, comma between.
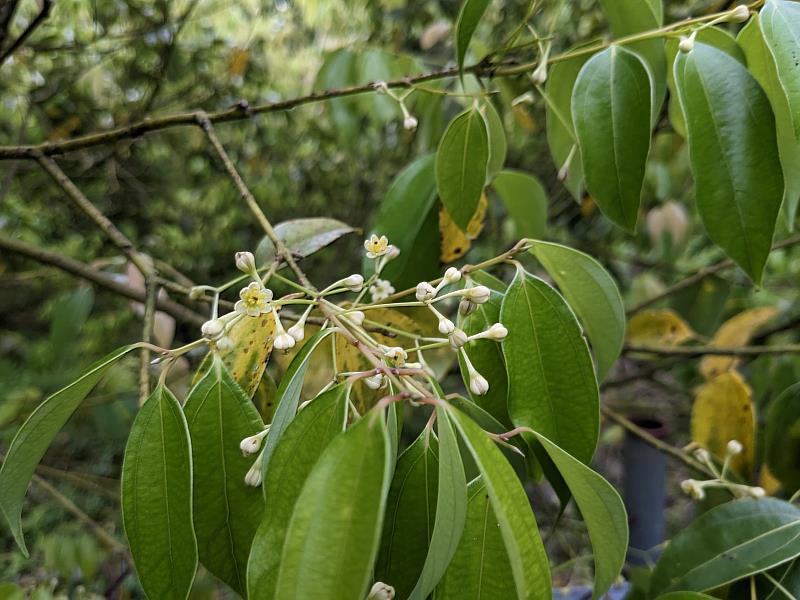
x: 588, y: 206
x: 723, y: 411
x: 733, y: 333
x: 658, y: 327
x: 768, y: 481
x: 524, y: 119
x: 252, y: 339
x: 455, y: 242
x: 238, y: 62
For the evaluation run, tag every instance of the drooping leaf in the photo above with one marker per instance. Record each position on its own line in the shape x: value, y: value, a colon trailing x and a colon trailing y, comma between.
x: 37, y: 432
x: 782, y: 446
x: 525, y: 200
x: 335, y: 528
x: 289, y: 394
x: 780, y: 24
x: 611, y: 105
x: 552, y: 385
x: 480, y: 569
x: 736, y: 331
x: 451, y: 510
x: 729, y: 542
x: 410, y: 515
x: 461, y: 162
x: 468, y: 19
x: 560, y: 127
x: 299, y: 449
x: 455, y: 242
x: 628, y: 17
x: 498, y: 147
x: 157, y: 498
x: 408, y: 216
x: 601, y: 509
x: 658, y: 327
x: 512, y: 510
x: 247, y: 356
x: 303, y: 237
x: 226, y: 510
x: 733, y: 153
x: 762, y: 66
x: 592, y: 294
x: 723, y: 411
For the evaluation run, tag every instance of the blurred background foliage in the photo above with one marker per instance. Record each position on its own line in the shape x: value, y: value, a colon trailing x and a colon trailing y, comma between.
x: 106, y: 63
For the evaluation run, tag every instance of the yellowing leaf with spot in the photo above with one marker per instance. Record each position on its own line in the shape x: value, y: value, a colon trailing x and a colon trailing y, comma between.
x: 723, y: 411
x: 246, y: 360
x: 735, y: 332
x: 658, y: 327
x: 455, y: 242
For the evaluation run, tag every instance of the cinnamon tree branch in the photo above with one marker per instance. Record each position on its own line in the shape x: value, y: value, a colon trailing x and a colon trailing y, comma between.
x: 37, y: 20
x: 711, y: 350
x: 104, y: 280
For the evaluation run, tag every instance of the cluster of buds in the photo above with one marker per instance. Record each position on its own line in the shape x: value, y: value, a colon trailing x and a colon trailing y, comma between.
x: 409, y: 121
x: 249, y: 446
x: 697, y: 488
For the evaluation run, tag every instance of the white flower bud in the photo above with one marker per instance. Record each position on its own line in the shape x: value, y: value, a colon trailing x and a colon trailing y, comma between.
x: 297, y: 331
x: 452, y: 275
x: 457, y: 339
x: 357, y: 317
x: 740, y: 14
x: 686, y: 44
x: 252, y: 444
x: 253, y: 476
x: 246, y: 262
x: 757, y: 492
x: 283, y: 341
x: 478, y: 384
x: 478, y: 294
x: 466, y: 306
x: 212, y: 330
x: 694, y: 488
x: 381, y: 591
x: 702, y: 455
x: 392, y: 253
x: 497, y: 332
x: 354, y: 283
x: 381, y: 87
x: 539, y: 75
x: 446, y: 326
x: 425, y: 291
x: 196, y: 292
x: 410, y: 123
x: 734, y: 447
x: 375, y: 382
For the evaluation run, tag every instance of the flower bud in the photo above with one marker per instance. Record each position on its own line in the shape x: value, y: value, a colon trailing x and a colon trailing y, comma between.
x: 410, y: 123
x: 246, y: 262
x: 694, y: 488
x: 757, y: 492
x: 452, y: 275
x: 381, y: 591
x: 381, y: 87
x: 252, y: 444
x: 253, y: 475
x: 425, y: 291
x: 686, y: 44
x: 375, y: 382
x: 740, y: 14
x: 283, y: 341
x: 702, y: 455
x: 497, y: 332
x: 392, y: 253
x: 457, y: 338
x: 357, y: 317
x: 539, y: 75
x: 466, y: 306
x: 212, y: 330
x: 734, y: 447
x: 297, y: 331
x: 354, y: 283
x: 446, y: 326
x: 478, y: 294
x: 196, y: 292
x: 478, y: 384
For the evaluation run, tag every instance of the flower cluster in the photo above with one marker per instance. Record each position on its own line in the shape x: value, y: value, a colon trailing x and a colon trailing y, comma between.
x: 697, y: 488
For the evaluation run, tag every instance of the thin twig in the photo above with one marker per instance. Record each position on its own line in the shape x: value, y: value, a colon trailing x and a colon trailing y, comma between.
x: 81, y: 480
x: 44, y: 11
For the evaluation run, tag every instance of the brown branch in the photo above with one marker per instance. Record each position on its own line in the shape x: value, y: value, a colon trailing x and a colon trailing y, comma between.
x: 280, y: 248
x: 714, y: 351
x: 104, y: 280
x: 44, y: 12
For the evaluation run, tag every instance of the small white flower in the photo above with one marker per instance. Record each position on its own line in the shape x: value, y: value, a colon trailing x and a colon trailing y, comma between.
x: 381, y: 591
x: 395, y: 354
x: 446, y: 326
x: 354, y: 283
x: 457, y: 338
x: 734, y: 447
x: 246, y: 262
x: 375, y: 382
x: 478, y: 294
x: 410, y: 123
x: 252, y: 444
x: 213, y: 330
x: 356, y: 317
x: 425, y: 291
x: 376, y: 246
x: 452, y: 275
x: 282, y: 341
x: 380, y: 290
x: 254, y: 300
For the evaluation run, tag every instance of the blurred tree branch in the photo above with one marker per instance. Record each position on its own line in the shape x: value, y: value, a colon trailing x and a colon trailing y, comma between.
x: 44, y: 12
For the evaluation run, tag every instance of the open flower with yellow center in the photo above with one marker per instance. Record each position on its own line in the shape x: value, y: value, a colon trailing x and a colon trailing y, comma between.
x: 376, y: 246
x: 380, y: 290
x: 254, y: 300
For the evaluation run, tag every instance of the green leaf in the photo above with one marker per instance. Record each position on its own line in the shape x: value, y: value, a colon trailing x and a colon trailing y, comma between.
x: 602, y: 511
x: 729, y: 542
x: 498, y: 147
x: 226, y: 510
x: 487, y: 357
x: 461, y: 162
x: 468, y: 19
x: 552, y: 386
x: 335, y: 529
x: 410, y: 512
x: 559, y: 122
x: 788, y: 576
x: 525, y: 200
x: 409, y: 217
x: 611, y: 106
x: 780, y: 24
x: 512, y: 510
x: 157, y: 498
x: 480, y: 569
x: 592, y: 294
x: 762, y: 67
x: 733, y: 154
x: 36, y: 434
x: 340, y: 69
x: 299, y: 449
x: 627, y: 17
x: 782, y: 451
x: 289, y: 394
x: 303, y: 237
x: 451, y: 510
